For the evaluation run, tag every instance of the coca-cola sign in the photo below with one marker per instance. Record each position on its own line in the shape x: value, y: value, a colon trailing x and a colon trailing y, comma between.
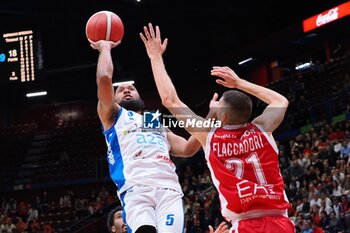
x: 326, y: 17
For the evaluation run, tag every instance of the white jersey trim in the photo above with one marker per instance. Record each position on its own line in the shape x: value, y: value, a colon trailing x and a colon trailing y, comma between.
x: 115, y: 121
x: 207, y: 143
x: 269, y: 139
x: 223, y: 201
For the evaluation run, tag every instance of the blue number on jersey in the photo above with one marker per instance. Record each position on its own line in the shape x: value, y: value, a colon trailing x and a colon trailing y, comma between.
x: 169, y: 220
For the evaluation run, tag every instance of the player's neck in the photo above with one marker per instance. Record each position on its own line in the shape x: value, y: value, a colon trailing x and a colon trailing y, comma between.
x: 233, y: 126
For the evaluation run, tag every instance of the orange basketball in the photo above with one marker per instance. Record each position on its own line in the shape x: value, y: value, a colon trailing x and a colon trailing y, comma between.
x: 104, y: 25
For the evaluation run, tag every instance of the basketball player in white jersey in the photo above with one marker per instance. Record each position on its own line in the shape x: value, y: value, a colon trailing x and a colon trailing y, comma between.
x: 138, y: 158
x: 242, y: 156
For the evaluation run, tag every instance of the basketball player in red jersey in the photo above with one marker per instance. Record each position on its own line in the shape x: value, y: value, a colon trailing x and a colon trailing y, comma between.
x: 242, y: 156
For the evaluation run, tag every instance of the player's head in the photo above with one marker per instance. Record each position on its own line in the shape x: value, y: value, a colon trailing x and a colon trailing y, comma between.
x: 115, y: 222
x: 127, y: 96
x: 235, y: 107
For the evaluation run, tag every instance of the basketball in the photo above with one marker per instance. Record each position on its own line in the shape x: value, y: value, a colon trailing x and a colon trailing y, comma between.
x: 104, y: 25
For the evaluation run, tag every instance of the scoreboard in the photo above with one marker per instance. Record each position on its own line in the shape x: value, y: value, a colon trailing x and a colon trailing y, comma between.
x: 20, y: 57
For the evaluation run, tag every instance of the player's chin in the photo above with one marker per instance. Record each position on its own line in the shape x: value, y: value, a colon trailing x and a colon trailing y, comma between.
x: 127, y: 98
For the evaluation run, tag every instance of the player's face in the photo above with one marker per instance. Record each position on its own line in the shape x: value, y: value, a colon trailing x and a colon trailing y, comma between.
x: 126, y: 92
x: 119, y: 226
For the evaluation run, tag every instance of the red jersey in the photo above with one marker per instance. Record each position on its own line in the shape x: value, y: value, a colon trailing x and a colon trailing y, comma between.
x: 244, y: 167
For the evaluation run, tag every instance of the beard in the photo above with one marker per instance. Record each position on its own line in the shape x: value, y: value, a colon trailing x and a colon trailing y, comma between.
x: 135, y: 105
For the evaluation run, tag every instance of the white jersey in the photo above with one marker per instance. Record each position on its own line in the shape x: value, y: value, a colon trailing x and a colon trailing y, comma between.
x: 139, y: 156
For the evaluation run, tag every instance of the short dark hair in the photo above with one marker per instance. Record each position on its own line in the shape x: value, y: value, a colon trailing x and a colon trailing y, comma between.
x: 241, y: 106
x: 110, y: 218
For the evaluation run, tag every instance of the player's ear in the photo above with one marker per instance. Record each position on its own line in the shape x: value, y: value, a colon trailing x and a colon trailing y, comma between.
x: 113, y: 229
x: 225, y: 117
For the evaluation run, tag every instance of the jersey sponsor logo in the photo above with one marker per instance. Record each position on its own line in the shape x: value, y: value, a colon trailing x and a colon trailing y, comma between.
x: 130, y: 115
x: 165, y: 158
x: 224, y: 136
x: 248, y: 191
x: 110, y: 155
x: 152, y: 140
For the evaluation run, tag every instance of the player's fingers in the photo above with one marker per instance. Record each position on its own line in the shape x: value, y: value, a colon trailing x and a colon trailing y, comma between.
x: 223, y: 83
x: 165, y: 43
x: 222, y: 225
x: 219, y: 69
x: 215, y: 97
x: 211, y: 229
x: 148, y: 36
x: 115, y: 44
x: 93, y: 46
x: 143, y: 38
x: 158, y: 32
x: 218, y: 73
x: 151, y: 30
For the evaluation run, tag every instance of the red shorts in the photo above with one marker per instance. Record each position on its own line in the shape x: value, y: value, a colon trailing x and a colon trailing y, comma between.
x: 269, y: 224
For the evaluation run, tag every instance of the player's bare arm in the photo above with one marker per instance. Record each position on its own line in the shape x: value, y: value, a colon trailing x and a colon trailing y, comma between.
x: 106, y: 106
x: 273, y: 114
x: 180, y: 147
x: 155, y: 49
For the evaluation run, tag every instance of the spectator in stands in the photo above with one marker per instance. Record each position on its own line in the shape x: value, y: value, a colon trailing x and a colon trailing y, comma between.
x: 345, y: 150
x: 315, y: 217
x: 295, y: 170
x: 336, y: 207
x: 316, y: 229
x: 283, y: 160
x: 21, y: 226
x: 7, y: 226
x: 32, y: 213
x: 347, y: 183
x: 115, y: 223
x: 334, y: 223
x: 325, y: 208
x: 306, y: 227
x: 324, y: 221
x: 337, y: 190
x: 345, y: 211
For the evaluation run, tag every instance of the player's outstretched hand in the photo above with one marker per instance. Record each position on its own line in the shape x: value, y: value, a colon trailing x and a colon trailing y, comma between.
x: 98, y: 45
x: 228, y: 77
x: 153, y: 41
x: 222, y: 228
x: 213, y: 105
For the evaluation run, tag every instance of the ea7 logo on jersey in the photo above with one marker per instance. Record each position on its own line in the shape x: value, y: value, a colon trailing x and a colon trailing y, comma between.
x: 151, y: 120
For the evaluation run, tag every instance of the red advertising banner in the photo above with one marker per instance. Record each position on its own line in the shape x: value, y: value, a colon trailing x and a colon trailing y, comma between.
x: 327, y: 16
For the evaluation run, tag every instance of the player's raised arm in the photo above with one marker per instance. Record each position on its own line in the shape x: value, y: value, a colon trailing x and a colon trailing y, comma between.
x: 187, y: 148
x: 273, y: 114
x: 105, y: 93
x: 155, y: 49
